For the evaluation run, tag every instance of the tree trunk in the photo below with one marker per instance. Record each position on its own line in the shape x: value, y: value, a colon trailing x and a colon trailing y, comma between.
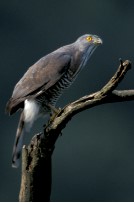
x: 36, y: 171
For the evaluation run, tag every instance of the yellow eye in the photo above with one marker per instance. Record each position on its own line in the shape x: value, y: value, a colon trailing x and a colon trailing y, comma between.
x: 89, y: 38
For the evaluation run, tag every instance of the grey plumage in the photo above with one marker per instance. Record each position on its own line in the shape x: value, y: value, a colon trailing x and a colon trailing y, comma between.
x: 45, y: 81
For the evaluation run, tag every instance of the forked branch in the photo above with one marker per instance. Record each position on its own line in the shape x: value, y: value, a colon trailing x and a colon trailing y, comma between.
x: 106, y: 95
x: 36, y: 158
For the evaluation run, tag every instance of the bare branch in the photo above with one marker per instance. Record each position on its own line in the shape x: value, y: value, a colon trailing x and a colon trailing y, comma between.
x: 105, y: 95
x: 36, y: 159
x: 120, y: 96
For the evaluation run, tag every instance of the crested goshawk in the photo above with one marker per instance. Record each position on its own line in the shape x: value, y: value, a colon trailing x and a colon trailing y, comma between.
x: 43, y: 83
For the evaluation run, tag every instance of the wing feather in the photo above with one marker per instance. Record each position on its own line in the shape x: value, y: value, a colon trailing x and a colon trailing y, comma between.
x: 43, y: 74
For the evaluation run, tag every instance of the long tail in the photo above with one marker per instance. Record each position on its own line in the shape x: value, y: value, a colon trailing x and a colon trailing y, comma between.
x: 28, y: 116
x: 18, y: 142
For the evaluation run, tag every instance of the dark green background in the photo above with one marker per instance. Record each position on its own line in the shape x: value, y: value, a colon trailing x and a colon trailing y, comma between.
x: 94, y: 159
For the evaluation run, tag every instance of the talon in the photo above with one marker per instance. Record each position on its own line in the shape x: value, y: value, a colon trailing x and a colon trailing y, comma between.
x: 54, y: 109
x: 55, y: 112
x: 53, y: 116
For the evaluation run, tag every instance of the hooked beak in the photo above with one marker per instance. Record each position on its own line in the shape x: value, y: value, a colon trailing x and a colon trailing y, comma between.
x: 98, y: 41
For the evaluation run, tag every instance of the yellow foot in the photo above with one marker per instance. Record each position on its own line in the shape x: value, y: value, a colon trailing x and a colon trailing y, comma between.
x: 55, y: 110
x: 53, y: 115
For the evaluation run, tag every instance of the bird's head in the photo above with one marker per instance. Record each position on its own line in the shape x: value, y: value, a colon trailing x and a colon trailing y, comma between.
x: 88, y: 41
x: 86, y: 44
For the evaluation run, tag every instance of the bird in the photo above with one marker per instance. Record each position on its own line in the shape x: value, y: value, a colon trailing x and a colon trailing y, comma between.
x: 37, y: 92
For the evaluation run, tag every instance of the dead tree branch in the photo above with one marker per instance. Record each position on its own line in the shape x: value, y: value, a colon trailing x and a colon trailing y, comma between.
x: 36, y: 158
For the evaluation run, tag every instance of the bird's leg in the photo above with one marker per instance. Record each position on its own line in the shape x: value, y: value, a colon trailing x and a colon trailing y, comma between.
x: 55, y: 112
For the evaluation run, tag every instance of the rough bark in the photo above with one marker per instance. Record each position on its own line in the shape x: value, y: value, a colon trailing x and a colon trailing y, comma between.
x: 36, y: 171
x: 36, y: 158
